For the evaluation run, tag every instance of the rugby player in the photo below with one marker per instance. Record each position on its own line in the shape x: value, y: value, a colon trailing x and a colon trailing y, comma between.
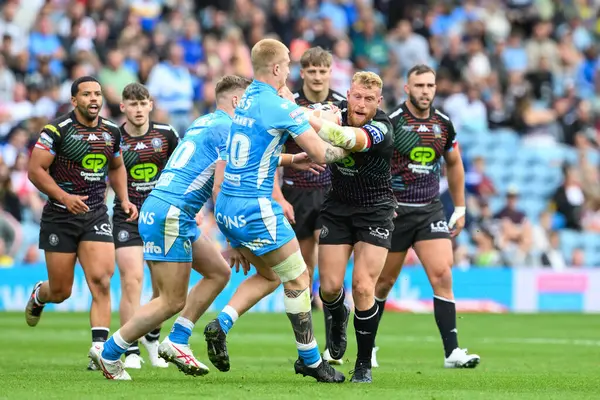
x: 71, y: 161
x: 422, y: 136
x: 302, y: 192
x: 146, y: 147
x: 245, y: 211
x: 357, y: 217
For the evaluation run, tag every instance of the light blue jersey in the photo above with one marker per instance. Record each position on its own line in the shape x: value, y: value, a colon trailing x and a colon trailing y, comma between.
x: 167, y: 222
x: 261, y: 125
x: 245, y: 210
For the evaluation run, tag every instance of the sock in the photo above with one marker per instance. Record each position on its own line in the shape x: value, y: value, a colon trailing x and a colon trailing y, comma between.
x: 115, y: 347
x: 336, y: 307
x: 99, y: 334
x: 133, y: 349
x: 365, y: 325
x: 181, y: 331
x: 227, y: 318
x: 444, y: 311
x: 327, y: 316
x: 153, y: 336
x: 297, y: 308
x: 380, y: 310
x: 381, y: 305
x: 36, y: 297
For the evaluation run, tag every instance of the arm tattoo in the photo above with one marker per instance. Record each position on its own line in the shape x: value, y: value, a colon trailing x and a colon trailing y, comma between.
x: 301, y: 322
x: 333, y: 154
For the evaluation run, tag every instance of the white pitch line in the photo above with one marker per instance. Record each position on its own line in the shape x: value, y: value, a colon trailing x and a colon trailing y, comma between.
x: 488, y: 340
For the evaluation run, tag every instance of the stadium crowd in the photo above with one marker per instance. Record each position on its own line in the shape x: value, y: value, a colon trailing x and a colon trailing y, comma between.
x: 516, y: 77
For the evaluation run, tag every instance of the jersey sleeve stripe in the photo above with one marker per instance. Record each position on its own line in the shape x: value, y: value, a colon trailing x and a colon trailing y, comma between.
x: 368, y: 136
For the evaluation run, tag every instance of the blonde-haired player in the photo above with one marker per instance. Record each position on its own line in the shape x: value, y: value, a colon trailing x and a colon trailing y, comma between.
x: 252, y: 221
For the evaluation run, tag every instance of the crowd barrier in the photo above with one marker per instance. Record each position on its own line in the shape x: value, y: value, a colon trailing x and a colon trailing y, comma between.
x: 491, y: 290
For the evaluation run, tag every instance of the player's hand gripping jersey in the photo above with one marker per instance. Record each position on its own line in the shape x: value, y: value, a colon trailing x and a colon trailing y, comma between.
x: 245, y: 211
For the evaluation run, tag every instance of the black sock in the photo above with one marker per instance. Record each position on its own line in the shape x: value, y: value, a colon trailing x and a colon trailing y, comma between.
x: 154, y: 335
x: 327, y: 316
x: 365, y: 326
x: 445, y: 318
x: 99, y: 334
x: 336, y: 308
x: 133, y: 349
x: 381, y: 305
x: 381, y: 309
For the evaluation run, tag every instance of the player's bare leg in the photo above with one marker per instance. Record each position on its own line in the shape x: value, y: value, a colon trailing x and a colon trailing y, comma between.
x: 130, y: 261
x: 333, y: 261
x: 368, y: 263
x: 98, y: 262
x: 248, y: 293
x: 208, y: 261
x: 61, y: 269
x: 172, y: 280
x: 437, y: 259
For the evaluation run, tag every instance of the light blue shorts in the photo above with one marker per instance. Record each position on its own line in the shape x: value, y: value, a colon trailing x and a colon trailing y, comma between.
x: 257, y: 224
x: 167, y: 232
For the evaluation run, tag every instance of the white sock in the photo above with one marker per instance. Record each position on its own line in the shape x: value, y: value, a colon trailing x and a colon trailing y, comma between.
x: 119, y: 341
x: 231, y: 312
x: 185, y: 323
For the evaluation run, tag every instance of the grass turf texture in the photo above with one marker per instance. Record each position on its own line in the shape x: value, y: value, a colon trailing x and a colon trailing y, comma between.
x: 549, y: 356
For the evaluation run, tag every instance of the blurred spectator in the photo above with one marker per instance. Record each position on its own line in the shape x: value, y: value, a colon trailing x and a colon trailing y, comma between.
x: 553, y: 256
x: 569, y: 198
x: 513, y: 76
x: 170, y: 84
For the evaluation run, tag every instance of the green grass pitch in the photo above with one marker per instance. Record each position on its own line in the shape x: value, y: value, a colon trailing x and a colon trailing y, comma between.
x: 547, y: 356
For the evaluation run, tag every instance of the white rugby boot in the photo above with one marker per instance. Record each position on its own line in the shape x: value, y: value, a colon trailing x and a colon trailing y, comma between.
x: 460, y: 358
x: 152, y: 349
x: 182, y: 356
x: 113, y: 370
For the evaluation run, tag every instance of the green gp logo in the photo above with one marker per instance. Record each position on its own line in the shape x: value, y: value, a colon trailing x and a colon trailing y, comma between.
x: 95, y: 162
x: 347, y: 162
x: 145, y: 171
x: 424, y: 155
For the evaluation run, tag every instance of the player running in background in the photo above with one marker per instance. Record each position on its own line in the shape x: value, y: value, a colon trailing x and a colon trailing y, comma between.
x: 253, y: 223
x: 303, y: 192
x: 146, y: 147
x: 173, y: 243
x: 357, y: 216
x: 70, y: 163
x: 423, y: 135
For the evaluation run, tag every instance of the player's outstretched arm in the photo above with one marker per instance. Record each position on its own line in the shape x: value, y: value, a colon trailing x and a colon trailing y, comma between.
x: 319, y: 151
x: 117, y: 177
x: 346, y: 137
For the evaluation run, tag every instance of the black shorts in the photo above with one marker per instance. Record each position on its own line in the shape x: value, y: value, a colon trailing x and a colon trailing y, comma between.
x: 307, y: 205
x: 125, y: 234
x: 62, y: 231
x: 416, y: 224
x: 345, y: 224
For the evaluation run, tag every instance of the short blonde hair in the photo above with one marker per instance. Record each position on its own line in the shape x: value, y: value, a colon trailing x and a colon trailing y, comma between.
x: 368, y: 79
x: 267, y: 52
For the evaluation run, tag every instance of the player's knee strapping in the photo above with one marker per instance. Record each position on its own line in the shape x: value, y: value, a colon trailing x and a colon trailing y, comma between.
x: 291, y: 268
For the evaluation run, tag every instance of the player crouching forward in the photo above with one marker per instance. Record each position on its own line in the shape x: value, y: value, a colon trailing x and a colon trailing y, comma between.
x: 173, y: 244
